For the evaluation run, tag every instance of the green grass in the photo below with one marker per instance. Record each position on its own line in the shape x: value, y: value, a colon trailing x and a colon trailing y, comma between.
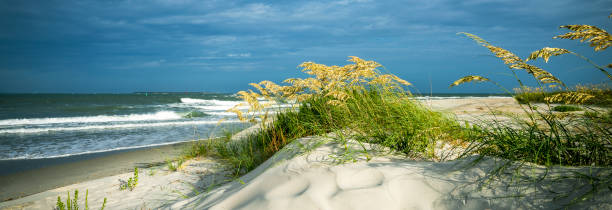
x: 600, y: 117
x: 176, y: 164
x: 602, y: 94
x: 73, y: 203
x: 131, y: 183
x: 391, y: 119
x: 551, y: 142
x: 395, y: 120
x: 197, y: 149
x: 566, y: 108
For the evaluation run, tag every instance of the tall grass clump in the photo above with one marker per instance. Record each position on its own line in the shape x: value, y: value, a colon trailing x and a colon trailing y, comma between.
x: 544, y: 137
x: 357, y: 101
x: 566, y: 108
x: 602, y: 94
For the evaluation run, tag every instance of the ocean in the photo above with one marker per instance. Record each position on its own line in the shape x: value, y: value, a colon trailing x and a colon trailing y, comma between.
x: 43, y: 126
x: 40, y: 126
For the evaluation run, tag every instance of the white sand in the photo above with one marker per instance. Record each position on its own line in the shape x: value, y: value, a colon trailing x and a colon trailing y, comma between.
x: 157, y: 187
x: 500, y: 109
x: 298, y: 179
x: 481, y: 110
x: 307, y: 176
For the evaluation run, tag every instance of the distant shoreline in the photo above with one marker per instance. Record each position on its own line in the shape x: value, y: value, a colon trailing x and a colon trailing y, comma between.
x: 219, y: 93
x: 102, y: 93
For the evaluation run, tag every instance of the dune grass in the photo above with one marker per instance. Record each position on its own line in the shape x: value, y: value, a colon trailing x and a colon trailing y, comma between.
x: 371, y: 116
x: 73, y: 203
x: 392, y: 118
x: 174, y: 165
x: 602, y: 94
x: 566, y: 108
x: 131, y: 183
x: 357, y: 100
x: 544, y: 137
x: 369, y: 106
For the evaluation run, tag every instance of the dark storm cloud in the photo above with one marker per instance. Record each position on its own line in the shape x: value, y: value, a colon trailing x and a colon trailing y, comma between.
x: 185, y: 45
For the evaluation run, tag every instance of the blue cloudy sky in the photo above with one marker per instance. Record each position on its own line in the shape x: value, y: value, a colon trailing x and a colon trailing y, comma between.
x: 221, y: 46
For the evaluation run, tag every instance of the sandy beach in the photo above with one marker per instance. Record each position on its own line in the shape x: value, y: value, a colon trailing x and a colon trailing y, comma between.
x: 310, y: 173
x: 25, y: 177
x: 326, y: 105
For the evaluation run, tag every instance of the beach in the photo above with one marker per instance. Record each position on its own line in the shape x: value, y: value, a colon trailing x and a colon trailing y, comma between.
x: 274, y: 105
x: 306, y: 174
x: 26, y: 177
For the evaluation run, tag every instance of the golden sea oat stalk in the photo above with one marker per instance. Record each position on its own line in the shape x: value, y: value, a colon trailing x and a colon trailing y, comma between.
x: 476, y: 78
x: 514, y: 62
x: 324, y: 81
x: 546, y: 52
x: 469, y: 78
x: 598, y: 38
x: 570, y: 97
x: 542, y: 76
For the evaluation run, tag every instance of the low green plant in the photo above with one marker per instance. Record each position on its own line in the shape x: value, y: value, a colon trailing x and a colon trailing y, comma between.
x: 73, y: 204
x: 196, y: 149
x: 566, y: 108
x: 175, y: 165
x: 602, y: 117
x: 204, y: 147
x: 602, y: 94
x: 131, y: 183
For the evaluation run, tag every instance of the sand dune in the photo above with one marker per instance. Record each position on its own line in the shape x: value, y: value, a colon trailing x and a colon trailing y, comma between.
x: 300, y: 177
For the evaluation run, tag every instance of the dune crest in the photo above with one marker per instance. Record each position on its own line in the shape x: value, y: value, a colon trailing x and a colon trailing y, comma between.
x: 302, y: 177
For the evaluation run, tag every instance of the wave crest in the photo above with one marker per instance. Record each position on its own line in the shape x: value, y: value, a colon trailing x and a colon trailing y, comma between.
x: 158, y: 116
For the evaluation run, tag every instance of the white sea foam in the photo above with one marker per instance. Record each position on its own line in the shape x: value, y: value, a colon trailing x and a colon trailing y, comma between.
x: 219, y: 108
x: 24, y: 157
x: 208, y: 104
x: 456, y: 97
x: 116, y: 126
x: 162, y: 115
x: 217, y: 105
x: 208, y: 101
x: 234, y: 114
x: 221, y: 113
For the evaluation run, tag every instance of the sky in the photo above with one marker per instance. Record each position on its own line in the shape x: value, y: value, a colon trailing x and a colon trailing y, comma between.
x: 122, y: 46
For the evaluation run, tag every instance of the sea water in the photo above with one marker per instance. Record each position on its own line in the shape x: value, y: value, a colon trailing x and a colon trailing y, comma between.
x: 40, y: 126
x: 36, y: 126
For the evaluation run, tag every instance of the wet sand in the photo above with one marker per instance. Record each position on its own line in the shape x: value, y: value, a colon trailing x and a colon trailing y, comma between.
x: 19, y: 178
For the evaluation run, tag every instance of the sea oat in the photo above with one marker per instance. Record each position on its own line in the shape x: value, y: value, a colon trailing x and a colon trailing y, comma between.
x: 470, y: 78
x: 546, y: 52
x: 598, y: 38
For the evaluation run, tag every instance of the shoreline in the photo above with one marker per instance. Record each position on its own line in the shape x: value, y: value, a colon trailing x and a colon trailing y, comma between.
x: 306, y: 174
x: 20, y: 178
